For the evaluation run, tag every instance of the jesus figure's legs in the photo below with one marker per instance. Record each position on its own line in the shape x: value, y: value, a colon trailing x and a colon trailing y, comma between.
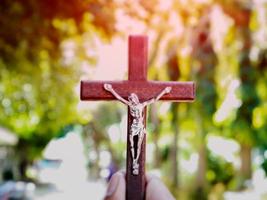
x: 139, y: 143
x: 139, y: 133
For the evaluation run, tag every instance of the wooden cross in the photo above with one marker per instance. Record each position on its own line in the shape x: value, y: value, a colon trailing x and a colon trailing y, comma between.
x: 137, y: 83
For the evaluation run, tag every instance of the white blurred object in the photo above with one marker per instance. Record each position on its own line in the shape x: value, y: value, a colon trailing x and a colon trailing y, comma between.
x: 17, y: 190
x: 259, y: 182
x: 72, y: 171
x: 7, y: 137
x: 226, y: 148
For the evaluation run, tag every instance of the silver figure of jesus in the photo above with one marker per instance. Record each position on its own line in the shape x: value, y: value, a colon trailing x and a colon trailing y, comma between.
x: 137, y: 127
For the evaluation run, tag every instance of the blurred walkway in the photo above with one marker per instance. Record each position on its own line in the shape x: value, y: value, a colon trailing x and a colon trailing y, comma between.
x: 67, y: 178
x: 89, y: 190
x: 256, y: 188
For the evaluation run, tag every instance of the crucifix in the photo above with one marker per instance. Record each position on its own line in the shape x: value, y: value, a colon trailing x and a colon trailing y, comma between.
x: 137, y: 92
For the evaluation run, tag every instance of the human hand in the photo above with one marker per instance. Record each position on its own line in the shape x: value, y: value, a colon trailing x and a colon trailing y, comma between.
x: 155, y: 189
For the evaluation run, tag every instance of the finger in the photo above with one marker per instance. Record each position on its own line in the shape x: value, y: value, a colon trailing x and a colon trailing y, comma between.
x: 156, y: 190
x: 116, y: 187
x: 149, y: 177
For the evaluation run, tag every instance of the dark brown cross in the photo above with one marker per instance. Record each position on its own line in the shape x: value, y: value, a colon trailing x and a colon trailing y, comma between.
x: 137, y: 83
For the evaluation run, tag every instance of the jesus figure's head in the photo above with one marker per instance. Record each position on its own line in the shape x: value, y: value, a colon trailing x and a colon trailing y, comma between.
x: 133, y: 98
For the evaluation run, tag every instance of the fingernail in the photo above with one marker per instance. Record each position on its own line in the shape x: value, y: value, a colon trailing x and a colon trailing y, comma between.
x: 112, y: 186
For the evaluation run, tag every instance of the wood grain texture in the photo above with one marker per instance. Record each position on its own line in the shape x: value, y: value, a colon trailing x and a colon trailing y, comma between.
x: 181, y: 91
x: 137, y: 58
x: 135, y: 184
x: 145, y: 90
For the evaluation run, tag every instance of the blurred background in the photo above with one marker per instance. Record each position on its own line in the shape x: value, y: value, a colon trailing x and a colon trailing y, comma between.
x: 52, y: 146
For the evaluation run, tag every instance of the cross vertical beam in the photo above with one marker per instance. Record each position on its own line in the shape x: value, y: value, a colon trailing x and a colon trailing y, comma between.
x: 137, y: 58
x: 137, y: 71
x: 145, y: 90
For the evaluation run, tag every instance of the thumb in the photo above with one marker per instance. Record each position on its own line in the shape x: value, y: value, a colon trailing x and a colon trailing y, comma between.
x: 156, y: 190
x: 116, y: 187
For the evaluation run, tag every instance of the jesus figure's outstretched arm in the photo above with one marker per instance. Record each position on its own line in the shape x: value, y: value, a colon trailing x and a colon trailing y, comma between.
x: 109, y: 88
x: 153, y: 100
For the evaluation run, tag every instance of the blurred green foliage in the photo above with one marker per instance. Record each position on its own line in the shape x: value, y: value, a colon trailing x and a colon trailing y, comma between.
x: 219, y: 170
x: 38, y: 79
x: 37, y: 85
x: 220, y: 44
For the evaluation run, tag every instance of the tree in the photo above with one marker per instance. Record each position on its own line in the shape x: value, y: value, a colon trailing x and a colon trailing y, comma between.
x: 205, y: 105
x: 240, y: 124
x: 37, y: 70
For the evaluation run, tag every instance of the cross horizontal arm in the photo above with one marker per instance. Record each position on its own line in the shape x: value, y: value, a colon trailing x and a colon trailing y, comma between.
x: 145, y: 90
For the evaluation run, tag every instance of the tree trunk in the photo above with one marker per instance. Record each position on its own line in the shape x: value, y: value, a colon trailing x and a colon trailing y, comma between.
x: 201, y: 173
x: 245, y: 156
x: 201, y: 182
x: 174, y: 151
x: 22, y: 158
x: 23, y: 165
x: 155, y: 136
x: 175, y: 181
x: 96, y: 166
x: 92, y: 133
